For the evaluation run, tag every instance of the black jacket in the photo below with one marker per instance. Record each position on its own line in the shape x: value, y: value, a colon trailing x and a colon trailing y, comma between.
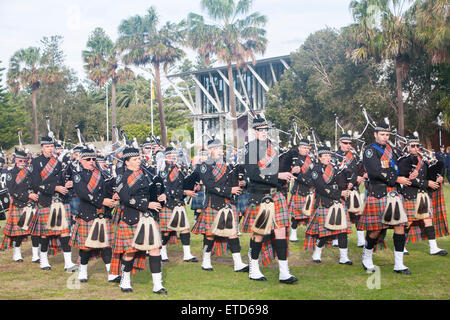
x: 18, y: 191
x: 326, y: 193
x: 90, y: 201
x: 45, y: 188
x: 407, y: 165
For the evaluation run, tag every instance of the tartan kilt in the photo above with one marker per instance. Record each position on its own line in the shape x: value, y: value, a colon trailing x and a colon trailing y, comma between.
x: 11, y: 229
x: 296, y: 204
x: 439, y: 213
x: 316, y: 226
x: 410, y: 208
x: 205, y: 220
x: 164, y: 218
x: 281, y: 214
x: 81, y: 231
x: 39, y: 223
x: 372, y: 216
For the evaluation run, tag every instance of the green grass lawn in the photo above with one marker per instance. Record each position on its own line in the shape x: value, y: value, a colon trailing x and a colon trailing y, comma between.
x: 430, y: 277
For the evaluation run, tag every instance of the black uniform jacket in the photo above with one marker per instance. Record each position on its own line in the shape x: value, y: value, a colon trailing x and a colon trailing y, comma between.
x: 18, y: 189
x: 407, y: 165
x: 45, y: 187
x: 90, y: 201
x: 326, y: 193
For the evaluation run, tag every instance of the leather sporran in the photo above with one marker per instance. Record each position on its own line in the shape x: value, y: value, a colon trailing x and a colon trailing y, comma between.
x: 224, y: 224
x: 57, y: 220
x: 394, y: 214
x: 146, y: 236
x: 26, y: 217
x: 423, y: 206
x: 178, y: 220
x: 355, y: 202
x: 308, y: 207
x: 98, y: 234
x: 265, y: 217
x: 336, y: 218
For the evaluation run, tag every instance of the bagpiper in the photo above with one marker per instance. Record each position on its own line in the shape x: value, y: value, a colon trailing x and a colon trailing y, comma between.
x: 355, y: 176
x: 17, y: 225
x: 173, y: 217
x: 267, y: 213
x: 137, y: 231
x: 92, y: 233
x: 330, y: 219
x: 417, y: 200
x: 301, y: 204
x: 218, y: 221
x: 53, y: 216
x: 384, y: 205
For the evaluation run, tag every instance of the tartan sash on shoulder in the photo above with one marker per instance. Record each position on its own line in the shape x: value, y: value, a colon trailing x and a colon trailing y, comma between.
x: 306, y: 164
x: 328, y: 174
x: 419, y: 163
x: 95, y: 179
x: 386, y: 158
x: 134, y: 177
x: 268, y: 158
x: 174, y: 173
x: 49, y: 167
x: 219, y: 170
x: 21, y: 175
x: 348, y: 159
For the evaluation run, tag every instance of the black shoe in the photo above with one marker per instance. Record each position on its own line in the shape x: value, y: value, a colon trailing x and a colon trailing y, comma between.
x: 161, y: 291
x: 46, y: 268
x: 259, y: 279
x: 193, y: 259
x: 293, y: 240
x: 116, y: 279
x: 406, y: 253
x: 244, y: 269
x: 165, y: 260
x: 126, y: 290
x: 72, y: 268
x: 361, y: 246
x: 20, y: 260
x: 36, y: 261
x: 317, y: 261
x: 404, y: 271
x: 208, y: 269
x: 290, y: 280
x: 440, y: 253
x: 367, y: 269
x: 83, y: 280
x: 347, y: 263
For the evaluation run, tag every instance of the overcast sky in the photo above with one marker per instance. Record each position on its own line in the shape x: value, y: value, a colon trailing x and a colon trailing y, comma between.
x: 23, y: 23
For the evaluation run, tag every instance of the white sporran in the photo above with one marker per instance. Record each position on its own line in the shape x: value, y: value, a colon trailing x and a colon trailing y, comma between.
x: 57, y: 220
x: 355, y: 202
x: 26, y: 217
x: 336, y: 218
x: 224, y: 224
x: 265, y: 217
x: 146, y: 236
x: 98, y: 234
x: 308, y: 207
x: 394, y: 214
x: 178, y: 220
x: 423, y: 205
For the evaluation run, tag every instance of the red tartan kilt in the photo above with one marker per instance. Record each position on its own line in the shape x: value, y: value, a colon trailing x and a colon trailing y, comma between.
x: 440, y: 213
x: 371, y: 219
x: 164, y: 218
x: 281, y: 214
x: 205, y: 220
x: 39, y: 224
x: 296, y: 204
x: 81, y: 231
x: 123, y: 239
x: 316, y: 226
x: 11, y: 229
x: 410, y: 208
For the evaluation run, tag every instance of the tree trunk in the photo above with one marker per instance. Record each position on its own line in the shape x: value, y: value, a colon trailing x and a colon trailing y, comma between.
x: 113, y: 108
x: 162, y: 120
x: 35, y: 122
x: 400, y: 111
x: 232, y: 105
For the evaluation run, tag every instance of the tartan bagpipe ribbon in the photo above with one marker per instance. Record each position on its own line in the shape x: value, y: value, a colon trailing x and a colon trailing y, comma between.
x: 348, y: 159
x: 306, y: 164
x: 21, y: 175
x: 328, y: 174
x: 49, y: 167
x: 219, y: 170
x: 174, y: 173
x: 95, y: 179
x: 386, y: 158
x: 134, y: 177
x: 268, y: 158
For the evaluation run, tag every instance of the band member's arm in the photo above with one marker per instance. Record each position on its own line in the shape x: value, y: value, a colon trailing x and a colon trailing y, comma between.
x: 373, y: 167
x: 95, y: 198
x: 324, y: 189
x: 213, y: 187
x: 18, y: 191
x: 126, y: 196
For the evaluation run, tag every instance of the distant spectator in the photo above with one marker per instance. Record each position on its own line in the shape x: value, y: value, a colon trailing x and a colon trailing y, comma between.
x: 440, y: 156
x: 447, y: 163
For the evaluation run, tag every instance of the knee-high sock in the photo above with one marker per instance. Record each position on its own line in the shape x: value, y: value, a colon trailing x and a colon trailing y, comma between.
x: 84, y: 256
x: 185, y: 238
x: 106, y: 255
x: 342, y: 240
x: 235, y: 245
x: 35, y: 241
x: 44, y: 244
x: 370, y: 242
x: 127, y: 265
x: 208, y: 243
x: 65, y: 244
x: 399, y: 242
x: 255, y: 249
x: 155, y: 264
x: 280, y: 247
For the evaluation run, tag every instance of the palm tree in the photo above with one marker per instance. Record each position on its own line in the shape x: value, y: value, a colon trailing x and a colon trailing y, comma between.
x: 384, y: 29
x: 433, y: 28
x: 27, y: 69
x: 142, y: 43
x: 101, y: 62
x: 234, y: 37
